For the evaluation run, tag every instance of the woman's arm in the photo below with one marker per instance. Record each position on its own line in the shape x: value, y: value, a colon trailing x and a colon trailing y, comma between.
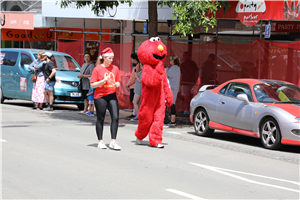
x: 137, y: 77
x: 31, y: 66
x: 39, y: 65
x: 99, y: 83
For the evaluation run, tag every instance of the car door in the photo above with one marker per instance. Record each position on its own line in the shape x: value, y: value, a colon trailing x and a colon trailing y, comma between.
x: 24, y: 83
x: 8, y: 72
x: 233, y: 112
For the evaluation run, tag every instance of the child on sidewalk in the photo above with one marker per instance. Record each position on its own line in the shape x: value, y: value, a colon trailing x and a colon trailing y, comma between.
x: 90, y: 97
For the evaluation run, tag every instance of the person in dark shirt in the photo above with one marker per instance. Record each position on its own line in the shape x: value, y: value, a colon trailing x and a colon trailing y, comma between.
x: 49, y: 73
x: 208, y: 71
x: 189, y: 75
x: 262, y: 73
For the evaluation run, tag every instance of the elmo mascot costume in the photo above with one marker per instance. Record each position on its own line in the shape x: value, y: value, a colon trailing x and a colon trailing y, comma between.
x: 156, y: 92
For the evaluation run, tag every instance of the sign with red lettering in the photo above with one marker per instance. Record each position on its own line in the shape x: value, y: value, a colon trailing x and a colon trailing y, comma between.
x: 23, y: 84
x: 250, y: 12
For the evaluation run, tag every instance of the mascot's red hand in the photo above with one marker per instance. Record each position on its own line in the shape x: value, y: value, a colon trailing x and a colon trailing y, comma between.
x: 150, y: 76
x: 169, y: 100
x: 161, y: 69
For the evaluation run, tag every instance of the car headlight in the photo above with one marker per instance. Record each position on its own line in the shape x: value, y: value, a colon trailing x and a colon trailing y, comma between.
x: 296, y: 131
x: 58, y: 80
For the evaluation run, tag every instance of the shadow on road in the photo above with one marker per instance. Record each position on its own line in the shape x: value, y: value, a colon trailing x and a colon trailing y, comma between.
x: 245, y: 140
x: 29, y: 104
x: 65, y: 112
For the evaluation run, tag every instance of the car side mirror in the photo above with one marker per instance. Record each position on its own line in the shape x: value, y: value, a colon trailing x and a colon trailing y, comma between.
x: 244, y: 98
x: 26, y: 68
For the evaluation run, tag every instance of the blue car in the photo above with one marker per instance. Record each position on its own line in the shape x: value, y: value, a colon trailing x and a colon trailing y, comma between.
x: 16, y: 81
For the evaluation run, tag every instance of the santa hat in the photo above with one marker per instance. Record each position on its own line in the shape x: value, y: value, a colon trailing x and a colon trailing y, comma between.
x: 107, y: 52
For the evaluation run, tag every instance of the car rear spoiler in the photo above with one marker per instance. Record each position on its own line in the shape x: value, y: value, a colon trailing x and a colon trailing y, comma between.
x: 207, y: 87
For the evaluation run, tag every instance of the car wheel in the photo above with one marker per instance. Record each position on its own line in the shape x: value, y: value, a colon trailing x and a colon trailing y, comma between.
x: 270, y: 134
x: 1, y: 96
x: 201, y: 121
x: 80, y: 106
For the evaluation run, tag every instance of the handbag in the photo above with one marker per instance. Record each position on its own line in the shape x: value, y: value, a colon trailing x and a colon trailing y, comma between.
x: 33, y: 78
x: 79, y: 87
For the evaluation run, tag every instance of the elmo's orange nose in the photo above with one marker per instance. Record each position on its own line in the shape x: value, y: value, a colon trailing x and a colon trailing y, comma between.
x: 160, y: 47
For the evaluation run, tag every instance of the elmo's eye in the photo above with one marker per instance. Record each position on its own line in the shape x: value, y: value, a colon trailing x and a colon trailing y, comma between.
x: 153, y: 39
x: 157, y: 39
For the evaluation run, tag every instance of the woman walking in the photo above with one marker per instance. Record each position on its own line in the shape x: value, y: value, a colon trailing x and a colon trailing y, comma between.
x: 137, y: 93
x: 105, y: 78
x: 38, y: 87
x: 173, y: 75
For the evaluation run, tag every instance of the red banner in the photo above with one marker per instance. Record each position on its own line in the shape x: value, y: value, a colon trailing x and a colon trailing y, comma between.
x: 44, y: 34
x: 275, y: 10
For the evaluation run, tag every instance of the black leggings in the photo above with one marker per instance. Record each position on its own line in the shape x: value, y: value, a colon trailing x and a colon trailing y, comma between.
x: 111, y: 102
x: 173, y: 110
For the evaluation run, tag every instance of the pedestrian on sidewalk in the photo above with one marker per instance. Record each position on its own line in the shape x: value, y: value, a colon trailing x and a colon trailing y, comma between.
x: 38, y: 87
x: 173, y: 75
x: 137, y: 93
x: 86, y: 72
x: 90, y: 97
x: 105, y: 78
x: 131, y: 82
x: 49, y: 73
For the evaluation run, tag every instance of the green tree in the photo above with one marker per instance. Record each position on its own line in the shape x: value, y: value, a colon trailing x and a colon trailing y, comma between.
x: 187, y: 13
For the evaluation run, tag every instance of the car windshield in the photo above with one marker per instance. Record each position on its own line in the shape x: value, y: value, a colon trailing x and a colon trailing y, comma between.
x: 277, y: 93
x: 64, y: 63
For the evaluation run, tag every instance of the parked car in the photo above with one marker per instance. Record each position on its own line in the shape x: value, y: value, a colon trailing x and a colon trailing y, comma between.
x: 265, y: 109
x: 16, y: 76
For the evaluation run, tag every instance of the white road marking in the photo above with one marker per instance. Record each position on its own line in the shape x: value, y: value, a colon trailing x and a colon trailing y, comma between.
x: 1, y: 140
x: 174, y: 132
x: 222, y: 171
x: 184, y: 194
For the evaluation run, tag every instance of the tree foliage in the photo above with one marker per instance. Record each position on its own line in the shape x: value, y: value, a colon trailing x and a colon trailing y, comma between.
x: 188, y: 14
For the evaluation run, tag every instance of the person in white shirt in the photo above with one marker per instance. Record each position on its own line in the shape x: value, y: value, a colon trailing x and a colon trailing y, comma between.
x: 173, y: 75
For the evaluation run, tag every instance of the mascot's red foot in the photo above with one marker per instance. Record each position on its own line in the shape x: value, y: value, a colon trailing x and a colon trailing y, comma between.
x: 155, y: 91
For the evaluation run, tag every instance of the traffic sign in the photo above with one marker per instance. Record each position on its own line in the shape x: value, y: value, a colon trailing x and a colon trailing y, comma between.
x: 268, y: 31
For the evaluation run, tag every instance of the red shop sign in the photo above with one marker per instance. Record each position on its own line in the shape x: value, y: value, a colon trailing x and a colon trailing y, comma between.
x: 274, y: 9
x: 250, y: 12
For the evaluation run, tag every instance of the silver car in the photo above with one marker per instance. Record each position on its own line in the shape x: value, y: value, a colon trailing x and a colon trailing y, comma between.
x: 265, y: 109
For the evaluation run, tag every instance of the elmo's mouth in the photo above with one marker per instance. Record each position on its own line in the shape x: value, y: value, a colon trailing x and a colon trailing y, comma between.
x: 159, y: 57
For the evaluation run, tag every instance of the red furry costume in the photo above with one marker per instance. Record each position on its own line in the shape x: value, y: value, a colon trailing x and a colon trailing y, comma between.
x: 155, y: 91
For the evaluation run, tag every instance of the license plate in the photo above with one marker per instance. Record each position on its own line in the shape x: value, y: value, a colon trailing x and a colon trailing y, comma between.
x: 75, y: 94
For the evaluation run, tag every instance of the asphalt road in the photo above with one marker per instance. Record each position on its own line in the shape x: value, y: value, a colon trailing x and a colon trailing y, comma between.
x: 54, y: 156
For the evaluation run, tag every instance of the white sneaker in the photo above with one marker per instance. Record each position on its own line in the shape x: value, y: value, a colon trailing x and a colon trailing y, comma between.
x: 159, y: 146
x: 139, y: 142
x: 114, y: 145
x: 82, y: 112
x: 102, y: 145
